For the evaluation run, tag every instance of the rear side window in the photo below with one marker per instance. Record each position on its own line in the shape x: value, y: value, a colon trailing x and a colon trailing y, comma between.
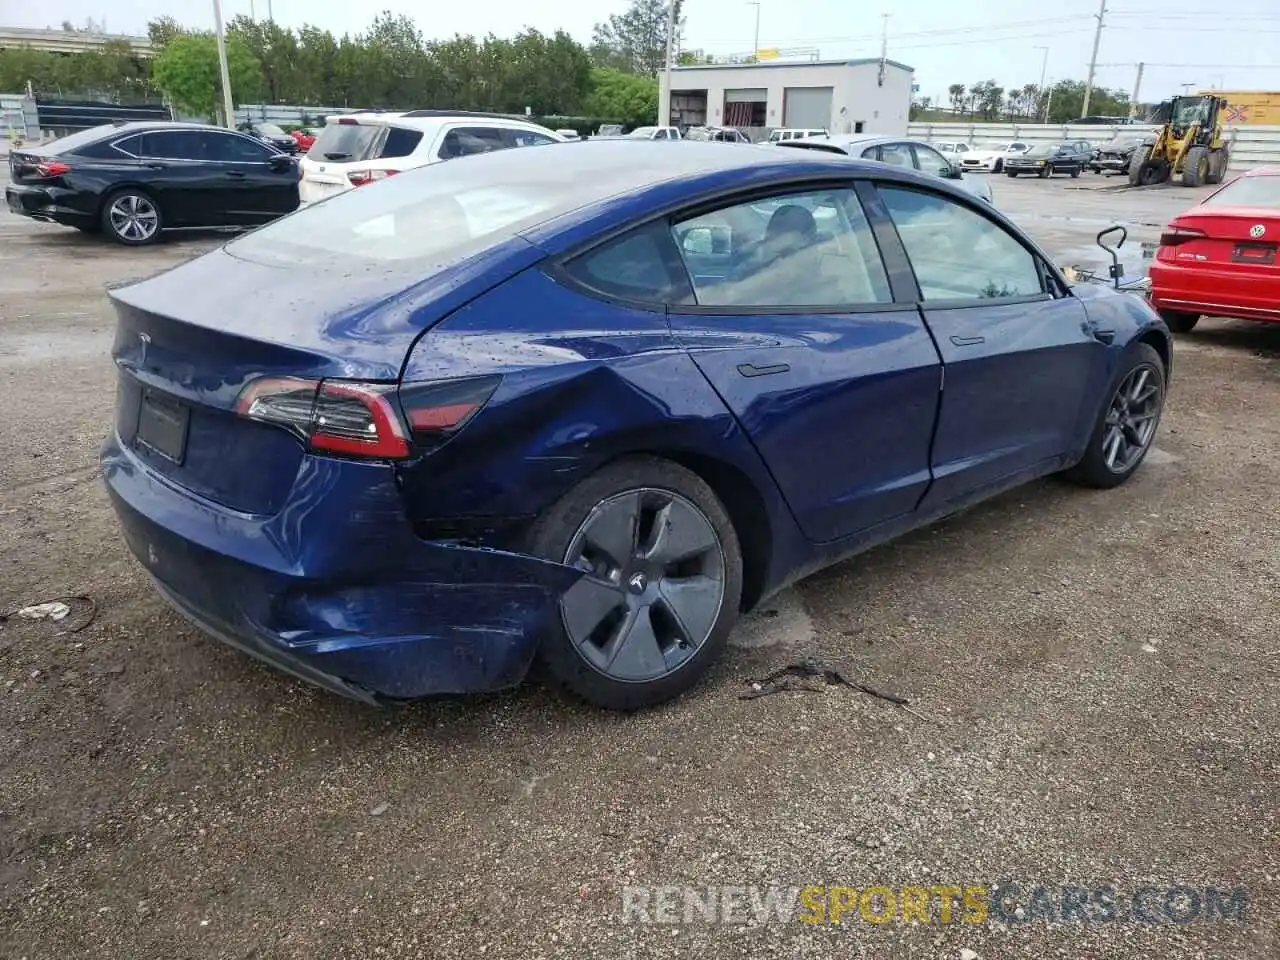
x: 466, y: 141
x: 957, y: 253
x: 173, y: 145
x: 634, y: 266
x: 400, y: 142
x: 74, y: 141
x: 130, y: 145
x: 345, y: 142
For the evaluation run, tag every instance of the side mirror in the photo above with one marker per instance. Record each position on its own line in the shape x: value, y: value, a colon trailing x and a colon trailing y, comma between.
x: 707, y: 241
x: 954, y: 173
x: 282, y: 162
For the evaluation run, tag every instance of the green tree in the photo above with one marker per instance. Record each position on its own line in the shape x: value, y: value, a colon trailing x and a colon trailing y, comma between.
x: 636, y: 41
x: 163, y: 29
x: 1068, y: 99
x: 187, y: 72
x: 622, y: 96
x: 956, y: 92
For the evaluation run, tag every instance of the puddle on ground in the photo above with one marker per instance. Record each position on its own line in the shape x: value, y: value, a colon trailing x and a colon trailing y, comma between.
x: 20, y: 348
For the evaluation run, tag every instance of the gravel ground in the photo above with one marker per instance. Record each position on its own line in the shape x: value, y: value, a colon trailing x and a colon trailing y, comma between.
x: 1094, y: 675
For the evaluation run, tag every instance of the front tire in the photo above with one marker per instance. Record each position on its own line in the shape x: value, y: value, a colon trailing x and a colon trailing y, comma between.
x: 132, y: 217
x: 661, y: 588
x: 1045, y: 172
x: 997, y: 166
x: 1178, y: 321
x: 1195, y: 167
x: 1127, y: 423
x: 1012, y: 174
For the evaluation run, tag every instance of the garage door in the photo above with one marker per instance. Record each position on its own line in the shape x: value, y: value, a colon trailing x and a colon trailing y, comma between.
x: 745, y: 107
x: 747, y: 95
x: 806, y: 107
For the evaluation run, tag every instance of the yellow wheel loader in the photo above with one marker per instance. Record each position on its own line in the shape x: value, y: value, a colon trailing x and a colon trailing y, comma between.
x: 1188, y: 147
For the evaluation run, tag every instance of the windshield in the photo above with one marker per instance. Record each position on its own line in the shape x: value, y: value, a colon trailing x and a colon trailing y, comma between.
x: 344, y: 142
x: 1248, y: 192
x: 642, y: 132
x: 271, y: 130
x: 1044, y: 150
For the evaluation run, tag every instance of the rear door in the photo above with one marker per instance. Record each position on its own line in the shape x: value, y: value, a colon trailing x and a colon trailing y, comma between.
x: 175, y: 170
x: 792, y: 319
x: 1019, y: 358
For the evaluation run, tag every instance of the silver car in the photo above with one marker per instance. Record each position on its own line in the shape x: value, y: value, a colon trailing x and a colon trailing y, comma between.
x: 915, y: 154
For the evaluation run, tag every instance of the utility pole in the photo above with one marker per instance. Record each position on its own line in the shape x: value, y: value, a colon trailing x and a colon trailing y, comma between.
x: 884, y: 49
x: 1093, y: 60
x: 1048, y: 103
x: 1137, y: 88
x: 755, y: 50
x: 1044, y: 66
x: 230, y: 115
x: 270, y: 16
x: 664, y: 101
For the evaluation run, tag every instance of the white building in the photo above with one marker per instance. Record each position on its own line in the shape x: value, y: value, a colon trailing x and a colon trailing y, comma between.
x: 842, y: 96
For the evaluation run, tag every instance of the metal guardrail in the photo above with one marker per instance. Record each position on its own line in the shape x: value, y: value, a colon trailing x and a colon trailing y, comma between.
x: 1251, y: 146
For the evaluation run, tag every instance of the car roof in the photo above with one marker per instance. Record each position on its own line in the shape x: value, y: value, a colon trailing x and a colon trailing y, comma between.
x: 847, y: 140
x: 426, y: 119
x: 1271, y: 170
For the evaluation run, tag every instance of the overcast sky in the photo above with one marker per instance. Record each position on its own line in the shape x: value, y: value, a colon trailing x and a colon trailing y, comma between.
x: 946, y: 41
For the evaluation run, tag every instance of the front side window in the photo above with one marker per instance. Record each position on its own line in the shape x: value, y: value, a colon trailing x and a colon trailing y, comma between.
x: 528, y: 138
x: 930, y: 161
x: 465, y: 141
x: 232, y: 149
x: 795, y: 250
x: 957, y: 253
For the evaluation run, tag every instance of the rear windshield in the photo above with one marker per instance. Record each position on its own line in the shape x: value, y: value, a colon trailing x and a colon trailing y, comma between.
x: 424, y: 219
x: 345, y: 142
x: 73, y: 141
x: 1248, y: 192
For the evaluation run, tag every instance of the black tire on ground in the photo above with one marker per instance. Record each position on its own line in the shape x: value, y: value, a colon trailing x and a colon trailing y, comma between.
x: 132, y: 217
x: 1218, y: 161
x: 1012, y: 173
x: 1178, y: 321
x: 997, y: 166
x: 1045, y: 172
x: 1092, y: 470
x: 557, y: 534
x: 1195, y: 167
x: 1076, y: 171
x: 1136, y: 164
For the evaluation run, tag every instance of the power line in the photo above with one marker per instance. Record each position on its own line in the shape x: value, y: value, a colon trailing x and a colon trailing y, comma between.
x: 917, y: 34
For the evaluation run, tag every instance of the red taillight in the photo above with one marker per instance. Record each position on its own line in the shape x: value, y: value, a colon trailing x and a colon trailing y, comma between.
x: 1174, y: 236
x: 358, y: 178
x: 52, y: 168
x: 439, y: 409
x: 363, y: 419
x: 350, y: 419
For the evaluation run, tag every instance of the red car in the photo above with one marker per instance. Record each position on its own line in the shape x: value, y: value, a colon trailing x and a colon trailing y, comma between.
x: 305, y: 138
x: 1219, y: 258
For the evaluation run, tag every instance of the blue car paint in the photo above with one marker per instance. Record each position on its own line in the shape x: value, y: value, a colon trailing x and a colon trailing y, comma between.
x: 388, y: 581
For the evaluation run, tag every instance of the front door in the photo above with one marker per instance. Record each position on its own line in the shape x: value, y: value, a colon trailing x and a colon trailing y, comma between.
x: 796, y: 327
x: 1019, y: 360
x: 254, y: 186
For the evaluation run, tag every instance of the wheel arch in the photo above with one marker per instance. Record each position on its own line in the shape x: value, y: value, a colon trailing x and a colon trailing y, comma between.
x: 1159, y: 341
x: 118, y: 188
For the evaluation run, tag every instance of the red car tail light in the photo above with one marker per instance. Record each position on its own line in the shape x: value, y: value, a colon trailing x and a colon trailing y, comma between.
x: 52, y: 168
x: 439, y: 409
x: 363, y: 419
x: 330, y: 416
x: 358, y: 178
x: 1174, y: 236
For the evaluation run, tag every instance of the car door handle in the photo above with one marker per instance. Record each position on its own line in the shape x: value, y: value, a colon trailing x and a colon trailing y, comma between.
x: 968, y: 341
x: 235, y: 174
x: 751, y: 370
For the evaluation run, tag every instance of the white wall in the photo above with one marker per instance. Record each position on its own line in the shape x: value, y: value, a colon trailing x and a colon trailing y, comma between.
x: 881, y: 109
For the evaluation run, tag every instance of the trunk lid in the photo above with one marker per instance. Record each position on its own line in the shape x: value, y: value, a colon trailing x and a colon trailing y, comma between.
x: 1229, y: 238
x: 189, y: 340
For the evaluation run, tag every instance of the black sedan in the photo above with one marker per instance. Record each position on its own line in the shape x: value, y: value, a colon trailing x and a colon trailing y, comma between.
x: 134, y: 180
x: 271, y: 133
x: 1045, y: 159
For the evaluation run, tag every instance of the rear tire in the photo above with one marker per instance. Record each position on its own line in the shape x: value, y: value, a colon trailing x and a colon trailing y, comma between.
x: 1218, y: 161
x: 1178, y: 321
x: 131, y: 217
x: 662, y: 592
x: 1012, y: 173
x: 1045, y: 172
x: 1127, y: 423
x: 1076, y: 172
x: 997, y: 166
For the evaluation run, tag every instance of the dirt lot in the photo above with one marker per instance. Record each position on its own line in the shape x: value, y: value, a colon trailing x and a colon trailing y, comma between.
x: 1095, y: 676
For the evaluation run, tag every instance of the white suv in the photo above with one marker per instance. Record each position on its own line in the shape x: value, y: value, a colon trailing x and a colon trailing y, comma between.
x: 358, y: 148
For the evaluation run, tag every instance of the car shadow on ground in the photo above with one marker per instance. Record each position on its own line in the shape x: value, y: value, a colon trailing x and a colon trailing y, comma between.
x: 1259, y: 338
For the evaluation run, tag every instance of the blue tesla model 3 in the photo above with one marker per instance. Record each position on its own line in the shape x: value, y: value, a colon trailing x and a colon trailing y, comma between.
x: 586, y: 405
